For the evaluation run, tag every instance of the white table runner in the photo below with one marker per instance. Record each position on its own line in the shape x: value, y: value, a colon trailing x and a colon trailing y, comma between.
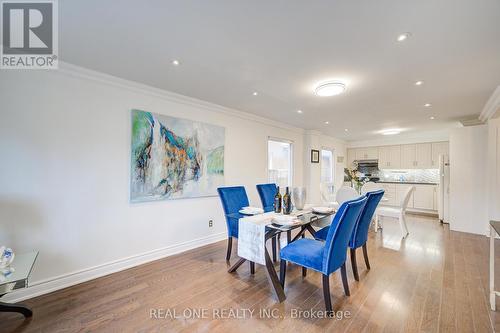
x: 252, y: 237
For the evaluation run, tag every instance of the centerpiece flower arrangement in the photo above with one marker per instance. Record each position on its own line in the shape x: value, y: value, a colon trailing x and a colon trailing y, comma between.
x: 355, y: 177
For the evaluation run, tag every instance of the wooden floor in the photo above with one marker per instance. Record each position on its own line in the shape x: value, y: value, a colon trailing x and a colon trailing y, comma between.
x: 435, y: 280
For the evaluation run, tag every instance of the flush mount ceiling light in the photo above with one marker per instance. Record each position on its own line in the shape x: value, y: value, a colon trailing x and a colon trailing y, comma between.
x: 176, y: 62
x: 432, y: 117
x: 419, y: 83
x: 299, y: 111
x: 346, y: 130
x: 403, y: 36
x: 328, y: 89
x: 327, y: 122
x: 255, y: 93
x: 427, y: 105
x: 390, y: 132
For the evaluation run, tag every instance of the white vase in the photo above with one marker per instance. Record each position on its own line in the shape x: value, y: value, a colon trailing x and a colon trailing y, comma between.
x: 299, y: 197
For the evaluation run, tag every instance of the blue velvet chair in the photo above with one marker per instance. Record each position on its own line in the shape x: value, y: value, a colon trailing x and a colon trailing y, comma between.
x: 328, y: 256
x: 233, y: 199
x: 266, y: 194
x: 359, y: 235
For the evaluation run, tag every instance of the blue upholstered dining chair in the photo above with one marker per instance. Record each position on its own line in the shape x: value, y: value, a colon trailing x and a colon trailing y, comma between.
x: 328, y: 256
x: 266, y: 194
x: 233, y: 199
x: 359, y: 235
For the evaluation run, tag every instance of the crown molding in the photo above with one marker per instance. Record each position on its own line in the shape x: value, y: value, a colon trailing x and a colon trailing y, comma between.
x: 492, y: 106
x: 88, y: 74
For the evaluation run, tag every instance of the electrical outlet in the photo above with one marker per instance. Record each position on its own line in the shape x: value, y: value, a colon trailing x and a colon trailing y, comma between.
x: 210, y: 223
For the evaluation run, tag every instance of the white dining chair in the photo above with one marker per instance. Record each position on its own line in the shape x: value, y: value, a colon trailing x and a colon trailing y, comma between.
x: 345, y: 193
x: 370, y: 187
x: 327, y: 191
x: 396, y: 212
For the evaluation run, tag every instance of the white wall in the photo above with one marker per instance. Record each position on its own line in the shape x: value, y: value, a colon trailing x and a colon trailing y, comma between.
x: 494, y: 169
x: 64, y: 180
x: 469, y: 179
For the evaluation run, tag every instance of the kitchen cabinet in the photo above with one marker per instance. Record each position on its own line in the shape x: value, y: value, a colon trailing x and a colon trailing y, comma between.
x: 389, y: 157
x: 408, y: 155
x: 423, y: 156
x: 369, y: 153
x: 423, y: 197
x: 439, y: 148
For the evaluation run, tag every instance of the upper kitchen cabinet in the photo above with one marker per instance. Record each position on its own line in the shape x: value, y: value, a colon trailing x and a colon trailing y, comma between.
x: 439, y: 148
x: 423, y: 159
x: 417, y: 156
x: 408, y: 156
x: 369, y: 153
x: 389, y: 157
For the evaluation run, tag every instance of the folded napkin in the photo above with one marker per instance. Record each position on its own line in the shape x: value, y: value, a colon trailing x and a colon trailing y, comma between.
x: 322, y: 210
x: 251, y: 210
x: 285, y: 219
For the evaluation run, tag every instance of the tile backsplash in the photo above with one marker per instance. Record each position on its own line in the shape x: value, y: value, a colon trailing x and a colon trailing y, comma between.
x: 419, y: 175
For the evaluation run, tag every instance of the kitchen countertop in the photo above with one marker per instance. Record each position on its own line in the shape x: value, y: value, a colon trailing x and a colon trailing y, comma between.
x: 411, y: 183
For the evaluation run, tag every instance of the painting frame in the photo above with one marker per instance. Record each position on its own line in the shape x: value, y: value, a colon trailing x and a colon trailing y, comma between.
x: 314, y: 156
x: 174, y: 158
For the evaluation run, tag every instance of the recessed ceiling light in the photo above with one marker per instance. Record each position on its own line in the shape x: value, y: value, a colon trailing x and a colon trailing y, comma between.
x: 391, y: 132
x: 346, y: 130
x: 327, y: 89
x: 327, y: 122
x: 255, y: 93
x: 432, y: 117
x: 419, y: 83
x: 403, y: 36
x: 176, y: 62
x: 299, y: 111
x: 427, y: 105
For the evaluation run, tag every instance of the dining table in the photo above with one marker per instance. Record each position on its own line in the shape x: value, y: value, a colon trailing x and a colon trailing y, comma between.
x: 305, y: 222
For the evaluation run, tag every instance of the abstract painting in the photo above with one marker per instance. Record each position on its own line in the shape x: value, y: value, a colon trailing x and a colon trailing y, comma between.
x: 174, y: 158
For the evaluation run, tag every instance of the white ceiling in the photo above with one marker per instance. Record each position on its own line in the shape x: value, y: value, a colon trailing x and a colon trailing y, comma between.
x: 229, y: 49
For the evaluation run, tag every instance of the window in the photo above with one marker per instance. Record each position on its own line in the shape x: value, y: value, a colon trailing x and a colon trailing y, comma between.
x: 326, y: 186
x: 326, y: 166
x: 279, y: 155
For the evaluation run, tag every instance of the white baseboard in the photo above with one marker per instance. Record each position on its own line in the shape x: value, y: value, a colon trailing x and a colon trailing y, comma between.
x: 67, y: 280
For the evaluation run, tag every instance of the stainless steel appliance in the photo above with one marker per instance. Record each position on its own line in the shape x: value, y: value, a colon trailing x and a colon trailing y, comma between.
x: 369, y: 168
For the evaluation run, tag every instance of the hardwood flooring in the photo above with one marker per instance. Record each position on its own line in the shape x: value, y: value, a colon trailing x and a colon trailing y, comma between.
x: 435, y: 280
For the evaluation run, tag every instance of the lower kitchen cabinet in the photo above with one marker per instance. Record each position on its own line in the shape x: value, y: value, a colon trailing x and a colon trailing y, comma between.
x: 423, y: 198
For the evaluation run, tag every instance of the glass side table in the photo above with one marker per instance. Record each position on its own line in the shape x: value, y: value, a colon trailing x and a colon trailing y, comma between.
x: 17, y: 279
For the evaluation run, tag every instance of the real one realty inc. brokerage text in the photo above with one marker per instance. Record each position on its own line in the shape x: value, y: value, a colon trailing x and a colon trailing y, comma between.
x: 230, y: 313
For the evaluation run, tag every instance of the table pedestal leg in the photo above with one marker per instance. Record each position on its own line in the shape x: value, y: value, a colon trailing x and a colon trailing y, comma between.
x: 19, y: 308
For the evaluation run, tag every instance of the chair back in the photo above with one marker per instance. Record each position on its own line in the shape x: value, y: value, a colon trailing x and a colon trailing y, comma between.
x: 406, y: 198
x: 340, y: 233
x: 370, y: 187
x: 346, y: 193
x: 327, y: 191
x: 266, y: 194
x: 233, y: 199
x: 360, y: 233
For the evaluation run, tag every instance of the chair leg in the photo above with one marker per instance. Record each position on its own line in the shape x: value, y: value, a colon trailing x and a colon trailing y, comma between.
x: 252, y: 267
x: 304, y: 271
x: 354, y: 264
x: 375, y: 225
x: 273, y: 241
x: 343, y: 272
x: 326, y: 294
x: 365, y: 254
x: 282, y: 272
x: 229, y: 247
x: 402, y: 224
